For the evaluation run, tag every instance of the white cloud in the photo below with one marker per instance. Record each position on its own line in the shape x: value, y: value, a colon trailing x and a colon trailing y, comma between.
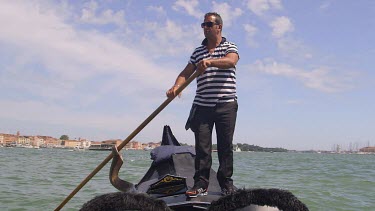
x: 71, y: 76
x: 325, y: 5
x: 189, y: 6
x: 280, y: 26
x: 250, y: 33
x: 98, y: 126
x: 294, y: 102
x: 57, y: 114
x: 322, y: 78
x: 294, y: 49
x: 159, y: 9
x: 172, y: 36
x: 227, y: 13
x: 259, y: 7
x: 91, y: 15
x: 69, y: 56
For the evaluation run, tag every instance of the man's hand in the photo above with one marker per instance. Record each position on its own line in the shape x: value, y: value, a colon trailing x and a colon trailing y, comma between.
x: 181, y: 79
x: 172, y: 91
x: 202, y: 65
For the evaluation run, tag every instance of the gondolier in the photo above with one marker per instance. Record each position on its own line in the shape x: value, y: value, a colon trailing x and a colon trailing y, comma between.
x: 215, y: 104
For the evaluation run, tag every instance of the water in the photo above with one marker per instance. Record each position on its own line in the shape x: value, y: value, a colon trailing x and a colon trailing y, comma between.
x: 32, y: 179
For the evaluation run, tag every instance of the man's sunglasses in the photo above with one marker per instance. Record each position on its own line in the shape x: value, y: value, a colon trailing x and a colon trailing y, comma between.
x: 208, y: 24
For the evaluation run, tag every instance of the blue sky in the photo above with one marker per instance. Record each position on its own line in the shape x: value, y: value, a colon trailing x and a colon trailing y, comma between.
x: 97, y: 69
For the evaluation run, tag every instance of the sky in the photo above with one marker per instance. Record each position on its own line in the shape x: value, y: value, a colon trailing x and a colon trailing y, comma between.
x: 97, y: 69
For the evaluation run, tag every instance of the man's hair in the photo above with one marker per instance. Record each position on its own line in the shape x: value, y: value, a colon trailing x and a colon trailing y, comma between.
x: 218, y: 19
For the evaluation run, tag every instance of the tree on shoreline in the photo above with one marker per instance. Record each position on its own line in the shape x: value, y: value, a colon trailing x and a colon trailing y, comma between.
x: 64, y: 137
x: 254, y: 148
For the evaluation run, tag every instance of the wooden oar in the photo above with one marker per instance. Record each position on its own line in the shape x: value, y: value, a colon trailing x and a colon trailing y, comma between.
x: 129, y: 138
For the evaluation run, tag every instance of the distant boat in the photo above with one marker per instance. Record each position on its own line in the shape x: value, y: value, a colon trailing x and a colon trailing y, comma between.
x: 237, y: 149
x: 147, y: 148
x: 101, y: 147
x: 76, y: 148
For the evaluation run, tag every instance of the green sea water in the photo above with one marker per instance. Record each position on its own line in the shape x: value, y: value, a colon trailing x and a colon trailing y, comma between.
x: 40, y: 179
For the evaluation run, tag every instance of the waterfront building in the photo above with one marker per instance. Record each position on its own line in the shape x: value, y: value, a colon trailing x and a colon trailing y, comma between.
x: 153, y: 145
x: 70, y: 143
x: 133, y: 145
x: 115, y: 142
x: 85, y: 143
x: 38, y: 141
x: 51, y: 142
x: 24, y: 140
x: 8, y: 139
x: 367, y: 149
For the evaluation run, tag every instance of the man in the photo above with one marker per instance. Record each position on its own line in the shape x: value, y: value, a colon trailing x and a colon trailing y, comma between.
x: 215, y: 103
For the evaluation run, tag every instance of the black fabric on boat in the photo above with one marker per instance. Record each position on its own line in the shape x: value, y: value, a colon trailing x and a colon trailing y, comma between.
x: 154, y: 173
x: 185, y: 168
x: 168, y: 137
x: 179, y: 165
x: 169, y: 146
x: 162, y: 153
x: 162, y: 164
x: 173, y: 159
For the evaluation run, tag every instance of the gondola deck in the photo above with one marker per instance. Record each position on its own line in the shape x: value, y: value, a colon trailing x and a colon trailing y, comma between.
x: 170, y: 175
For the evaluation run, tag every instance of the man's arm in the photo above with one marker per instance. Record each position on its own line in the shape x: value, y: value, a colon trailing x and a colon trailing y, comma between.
x: 228, y: 61
x: 181, y: 78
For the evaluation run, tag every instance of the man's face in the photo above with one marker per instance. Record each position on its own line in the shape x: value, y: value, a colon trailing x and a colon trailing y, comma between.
x: 210, y: 30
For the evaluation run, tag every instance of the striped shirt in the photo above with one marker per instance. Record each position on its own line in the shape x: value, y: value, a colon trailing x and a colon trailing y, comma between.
x: 215, y: 85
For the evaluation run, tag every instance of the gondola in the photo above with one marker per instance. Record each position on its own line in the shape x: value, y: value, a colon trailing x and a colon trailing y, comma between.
x: 171, y: 173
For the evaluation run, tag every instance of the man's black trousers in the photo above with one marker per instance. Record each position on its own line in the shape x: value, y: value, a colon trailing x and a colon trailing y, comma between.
x: 223, y: 116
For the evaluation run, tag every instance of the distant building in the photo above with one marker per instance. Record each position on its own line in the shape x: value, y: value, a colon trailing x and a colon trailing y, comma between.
x: 25, y: 140
x: 133, y: 145
x: 154, y: 145
x: 38, y: 141
x: 85, y: 143
x: 82, y: 143
x: 70, y: 143
x: 8, y: 139
x: 51, y: 142
x: 115, y: 142
x: 367, y: 149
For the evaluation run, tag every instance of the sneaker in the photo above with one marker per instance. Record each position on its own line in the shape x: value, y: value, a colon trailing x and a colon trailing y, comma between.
x: 196, y: 191
x: 228, y: 190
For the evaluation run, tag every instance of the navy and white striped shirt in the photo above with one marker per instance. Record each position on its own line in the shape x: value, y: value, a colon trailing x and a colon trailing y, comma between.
x: 215, y: 85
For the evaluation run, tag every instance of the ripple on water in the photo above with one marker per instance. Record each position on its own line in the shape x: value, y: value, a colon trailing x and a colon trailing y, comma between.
x: 41, y: 179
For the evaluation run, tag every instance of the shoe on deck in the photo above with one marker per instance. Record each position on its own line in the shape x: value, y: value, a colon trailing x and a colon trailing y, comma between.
x: 196, y: 191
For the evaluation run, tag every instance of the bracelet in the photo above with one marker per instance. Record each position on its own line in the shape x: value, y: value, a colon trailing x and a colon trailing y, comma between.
x: 176, y: 85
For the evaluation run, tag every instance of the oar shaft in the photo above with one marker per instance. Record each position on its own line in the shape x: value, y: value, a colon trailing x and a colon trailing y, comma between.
x: 127, y: 140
